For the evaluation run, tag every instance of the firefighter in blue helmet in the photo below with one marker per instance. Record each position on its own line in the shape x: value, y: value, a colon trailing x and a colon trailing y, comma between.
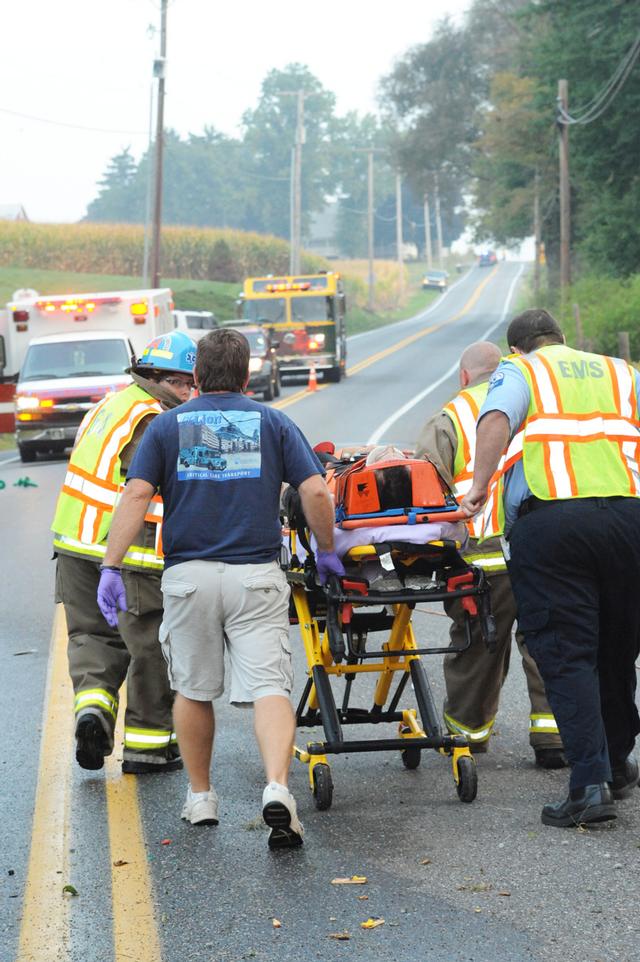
x: 101, y: 654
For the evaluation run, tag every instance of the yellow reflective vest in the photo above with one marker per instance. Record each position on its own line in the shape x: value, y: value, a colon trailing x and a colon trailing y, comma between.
x: 93, y: 482
x: 581, y: 436
x: 463, y: 411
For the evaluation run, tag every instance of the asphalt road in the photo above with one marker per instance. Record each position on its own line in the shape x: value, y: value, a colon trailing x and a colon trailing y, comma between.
x: 484, y: 882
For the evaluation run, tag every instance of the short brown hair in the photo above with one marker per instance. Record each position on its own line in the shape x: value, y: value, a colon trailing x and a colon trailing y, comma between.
x: 532, y: 329
x: 222, y: 361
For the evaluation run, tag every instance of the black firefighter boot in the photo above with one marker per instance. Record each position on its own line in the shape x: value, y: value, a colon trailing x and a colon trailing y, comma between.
x: 583, y: 806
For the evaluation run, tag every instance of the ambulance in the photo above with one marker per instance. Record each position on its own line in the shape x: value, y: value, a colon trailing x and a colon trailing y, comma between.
x: 66, y: 352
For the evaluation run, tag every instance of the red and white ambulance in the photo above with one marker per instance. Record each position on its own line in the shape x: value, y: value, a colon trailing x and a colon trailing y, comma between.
x: 67, y: 351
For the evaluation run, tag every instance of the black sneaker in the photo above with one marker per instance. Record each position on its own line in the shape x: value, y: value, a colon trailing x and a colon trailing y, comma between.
x: 92, y: 743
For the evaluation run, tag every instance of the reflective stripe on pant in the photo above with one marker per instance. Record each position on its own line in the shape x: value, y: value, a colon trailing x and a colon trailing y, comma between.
x: 146, y: 739
x: 474, y: 678
x: 100, y: 658
x: 542, y: 723
x: 574, y: 567
x: 475, y: 736
x: 96, y: 698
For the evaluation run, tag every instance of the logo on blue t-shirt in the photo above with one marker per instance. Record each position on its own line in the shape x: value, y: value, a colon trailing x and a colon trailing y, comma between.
x: 496, y: 379
x: 219, y: 445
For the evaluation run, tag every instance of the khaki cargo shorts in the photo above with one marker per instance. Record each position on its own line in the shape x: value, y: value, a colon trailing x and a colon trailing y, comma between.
x: 209, y: 605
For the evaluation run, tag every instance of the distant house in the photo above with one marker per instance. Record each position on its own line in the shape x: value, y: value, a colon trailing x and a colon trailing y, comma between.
x: 12, y: 212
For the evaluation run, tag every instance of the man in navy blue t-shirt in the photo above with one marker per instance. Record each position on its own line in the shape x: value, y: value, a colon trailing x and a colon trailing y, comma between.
x: 219, y: 462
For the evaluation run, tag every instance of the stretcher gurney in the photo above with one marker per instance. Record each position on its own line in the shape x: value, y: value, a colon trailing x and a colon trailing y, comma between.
x: 336, y: 622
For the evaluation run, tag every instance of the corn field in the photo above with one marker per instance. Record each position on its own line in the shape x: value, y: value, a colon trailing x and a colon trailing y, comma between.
x: 386, y: 274
x: 187, y: 252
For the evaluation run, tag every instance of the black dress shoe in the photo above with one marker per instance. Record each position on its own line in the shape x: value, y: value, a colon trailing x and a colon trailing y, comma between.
x: 592, y: 803
x: 92, y: 743
x: 624, y: 778
x: 550, y: 758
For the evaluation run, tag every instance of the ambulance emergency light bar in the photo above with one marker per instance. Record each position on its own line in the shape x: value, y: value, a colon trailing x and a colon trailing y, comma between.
x: 81, y: 308
x: 70, y: 305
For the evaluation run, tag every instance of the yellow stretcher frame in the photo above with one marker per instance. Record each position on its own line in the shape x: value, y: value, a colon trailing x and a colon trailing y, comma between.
x: 398, y: 655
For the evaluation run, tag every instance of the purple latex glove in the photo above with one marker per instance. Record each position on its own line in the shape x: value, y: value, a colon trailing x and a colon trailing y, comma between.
x: 328, y: 563
x: 111, y: 596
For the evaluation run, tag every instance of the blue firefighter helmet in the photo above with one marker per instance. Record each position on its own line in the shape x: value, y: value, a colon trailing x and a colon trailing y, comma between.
x: 168, y: 352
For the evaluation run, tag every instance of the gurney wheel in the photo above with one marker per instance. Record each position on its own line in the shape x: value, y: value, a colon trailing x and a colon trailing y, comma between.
x: 467, y: 786
x: 322, y: 787
x: 411, y: 757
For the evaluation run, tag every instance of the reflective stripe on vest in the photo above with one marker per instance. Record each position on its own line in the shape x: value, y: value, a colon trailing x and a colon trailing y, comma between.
x: 136, y: 556
x: 581, y: 439
x: 463, y: 411
x: 93, y: 482
x: 493, y: 511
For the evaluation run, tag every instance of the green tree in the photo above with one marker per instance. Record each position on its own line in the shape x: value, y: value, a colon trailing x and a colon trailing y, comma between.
x: 431, y: 98
x: 269, y: 136
x: 113, y: 202
x: 584, y: 41
x: 517, y: 142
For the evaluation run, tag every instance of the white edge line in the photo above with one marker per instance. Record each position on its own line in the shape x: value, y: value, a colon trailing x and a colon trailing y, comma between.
x: 416, y: 317
x: 9, y: 460
x: 377, y: 434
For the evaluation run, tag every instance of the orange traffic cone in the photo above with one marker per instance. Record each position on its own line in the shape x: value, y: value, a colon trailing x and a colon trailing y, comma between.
x: 313, y: 378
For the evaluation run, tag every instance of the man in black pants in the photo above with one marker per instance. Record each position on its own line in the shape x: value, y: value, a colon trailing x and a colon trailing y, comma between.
x: 571, y: 513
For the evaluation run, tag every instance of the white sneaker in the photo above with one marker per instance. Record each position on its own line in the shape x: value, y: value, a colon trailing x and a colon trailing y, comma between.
x: 280, y: 813
x: 201, y: 808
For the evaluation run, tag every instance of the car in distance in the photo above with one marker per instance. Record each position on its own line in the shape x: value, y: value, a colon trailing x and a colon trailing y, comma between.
x: 195, y: 321
x: 264, y: 371
x: 435, y: 280
x: 487, y: 259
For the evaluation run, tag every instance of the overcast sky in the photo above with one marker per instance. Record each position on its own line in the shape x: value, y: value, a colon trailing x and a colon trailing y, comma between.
x: 75, y: 64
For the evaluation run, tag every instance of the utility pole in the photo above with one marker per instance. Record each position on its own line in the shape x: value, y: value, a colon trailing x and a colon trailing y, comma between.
x: 295, y: 189
x: 438, y: 221
x: 292, y: 204
x: 427, y: 232
x: 565, y: 197
x: 536, y: 231
x: 370, y: 243
x: 370, y: 151
x: 399, y: 237
x: 159, y: 71
x: 149, y: 193
x: 297, y: 193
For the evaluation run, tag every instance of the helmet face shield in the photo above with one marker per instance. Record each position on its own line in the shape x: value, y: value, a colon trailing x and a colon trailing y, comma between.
x: 169, y: 352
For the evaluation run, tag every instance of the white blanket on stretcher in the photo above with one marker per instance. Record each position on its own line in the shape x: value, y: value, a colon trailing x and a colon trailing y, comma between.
x: 409, y: 533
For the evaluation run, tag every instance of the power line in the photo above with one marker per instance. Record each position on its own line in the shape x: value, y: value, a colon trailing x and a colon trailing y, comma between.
x: 605, y: 96
x: 60, y: 123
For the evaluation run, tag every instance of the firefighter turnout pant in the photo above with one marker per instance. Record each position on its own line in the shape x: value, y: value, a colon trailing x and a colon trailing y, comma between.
x: 100, y: 658
x: 474, y: 678
x: 575, y: 571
